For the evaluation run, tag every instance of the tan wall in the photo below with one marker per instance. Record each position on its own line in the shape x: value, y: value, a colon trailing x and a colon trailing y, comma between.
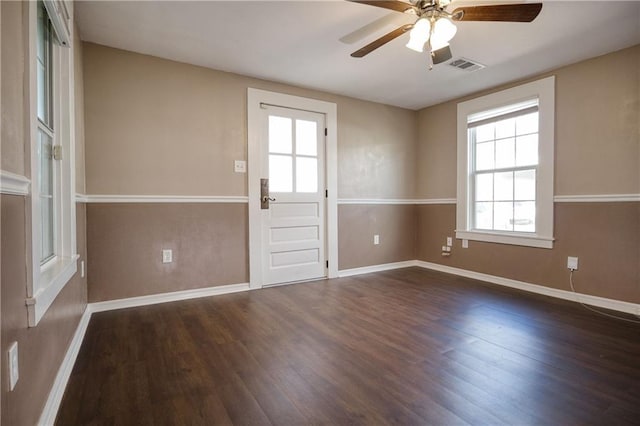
x: 42, y: 348
x: 604, y: 236
x: 395, y: 224
x: 79, y: 112
x: 597, y: 131
x: 209, y: 243
x: 12, y: 158
x: 597, y: 152
x: 159, y: 127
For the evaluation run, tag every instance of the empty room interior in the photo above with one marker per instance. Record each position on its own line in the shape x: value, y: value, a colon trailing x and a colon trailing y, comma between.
x: 320, y: 212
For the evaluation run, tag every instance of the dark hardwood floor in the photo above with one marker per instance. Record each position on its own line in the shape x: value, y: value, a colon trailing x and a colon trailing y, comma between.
x: 405, y: 347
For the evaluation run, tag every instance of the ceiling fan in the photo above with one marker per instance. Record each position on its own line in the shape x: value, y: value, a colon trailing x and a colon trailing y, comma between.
x: 434, y: 27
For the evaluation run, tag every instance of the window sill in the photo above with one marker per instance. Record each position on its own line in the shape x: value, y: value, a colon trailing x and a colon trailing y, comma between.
x: 51, y: 281
x: 517, y: 239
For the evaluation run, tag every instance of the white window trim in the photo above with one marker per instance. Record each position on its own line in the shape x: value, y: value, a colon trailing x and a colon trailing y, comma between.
x: 544, y: 90
x: 48, y: 280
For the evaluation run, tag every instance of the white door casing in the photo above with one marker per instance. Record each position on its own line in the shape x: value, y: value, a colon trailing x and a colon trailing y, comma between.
x: 291, y: 240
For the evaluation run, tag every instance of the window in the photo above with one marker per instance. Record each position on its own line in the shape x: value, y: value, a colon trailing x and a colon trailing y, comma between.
x: 505, y: 166
x: 293, y: 152
x: 52, y: 200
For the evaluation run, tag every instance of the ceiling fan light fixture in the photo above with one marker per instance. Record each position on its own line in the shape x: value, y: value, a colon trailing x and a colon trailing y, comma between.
x: 419, y: 35
x: 443, y: 31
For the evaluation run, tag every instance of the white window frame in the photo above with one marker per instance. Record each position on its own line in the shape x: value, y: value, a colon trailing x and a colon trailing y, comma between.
x: 46, y: 281
x: 544, y: 91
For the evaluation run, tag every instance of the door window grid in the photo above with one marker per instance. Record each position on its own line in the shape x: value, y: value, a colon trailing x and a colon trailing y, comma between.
x: 293, y: 152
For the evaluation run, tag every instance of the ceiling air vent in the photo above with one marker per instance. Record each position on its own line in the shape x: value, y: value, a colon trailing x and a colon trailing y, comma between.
x: 466, y: 64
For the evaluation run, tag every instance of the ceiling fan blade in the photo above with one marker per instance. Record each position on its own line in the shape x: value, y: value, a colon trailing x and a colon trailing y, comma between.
x: 373, y: 27
x: 523, y: 12
x: 398, y: 6
x: 381, y: 41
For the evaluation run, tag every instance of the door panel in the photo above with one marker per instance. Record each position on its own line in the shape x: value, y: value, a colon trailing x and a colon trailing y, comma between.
x: 293, y: 227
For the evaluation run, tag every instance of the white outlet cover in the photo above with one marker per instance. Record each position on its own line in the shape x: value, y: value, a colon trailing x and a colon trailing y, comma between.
x: 376, y: 239
x: 449, y: 241
x: 240, y: 166
x: 167, y: 256
x: 14, y: 371
x: 465, y: 243
x: 572, y: 263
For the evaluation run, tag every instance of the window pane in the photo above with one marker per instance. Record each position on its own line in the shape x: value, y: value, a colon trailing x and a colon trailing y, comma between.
x: 280, y: 131
x: 43, y: 67
x: 45, y: 151
x: 503, y: 216
x: 45, y: 181
x: 505, y: 153
x: 484, y: 215
x: 506, y: 128
x: 527, y: 150
x: 527, y: 124
x: 485, y: 132
x: 306, y: 174
x: 525, y: 185
x: 306, y: 137
x: 503, y: 186
x: 484, y: 156
x: 484, y: 187
x: 280, y: 173
x: 46, y: 213
x: 525, y: 217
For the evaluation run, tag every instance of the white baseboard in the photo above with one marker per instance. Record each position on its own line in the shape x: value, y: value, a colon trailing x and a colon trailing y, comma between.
x: 50, y: 411
x: 376, y: 268
x: 602, y: 302
x: 167, y: 297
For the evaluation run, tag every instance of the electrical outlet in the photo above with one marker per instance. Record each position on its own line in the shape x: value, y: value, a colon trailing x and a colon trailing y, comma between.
x: 449, y: 241
x: 376, y: 239
x: 444, y: 248
x: 167, y: 256
x: 572, y: 263
x: 465, y: 243
x: 14, y: 372
x: 240, y: 166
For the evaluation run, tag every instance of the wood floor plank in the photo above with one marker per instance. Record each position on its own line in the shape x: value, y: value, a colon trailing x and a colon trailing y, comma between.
x: 408, y: 346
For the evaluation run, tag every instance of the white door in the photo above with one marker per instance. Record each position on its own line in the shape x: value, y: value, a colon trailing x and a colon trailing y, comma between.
x: 293, y: 221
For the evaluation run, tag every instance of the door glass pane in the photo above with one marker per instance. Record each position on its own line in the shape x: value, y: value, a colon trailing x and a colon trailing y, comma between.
x: 525, y: 217
x: 306, y: 138
x: 484, y: 215
x: 484, y: 187
x: 280, y: 173
x: 280, y: 135
x: 503, y: 186
x: 527, y: 150
x: 484, y: 156
x: 525, y: 185
x: 503, y: 216
x: 505, y: 153
x: 306, y: 174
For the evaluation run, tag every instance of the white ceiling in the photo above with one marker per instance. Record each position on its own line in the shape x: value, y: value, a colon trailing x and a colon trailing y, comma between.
x: 298, y: 43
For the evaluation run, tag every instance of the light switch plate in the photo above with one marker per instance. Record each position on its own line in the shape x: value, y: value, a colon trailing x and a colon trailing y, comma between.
x: 167, y: 256
x: 14, y: 372
x: 240, y: 166
x: 449, y: 241
x: 465, y: 243
x: 376, y: 239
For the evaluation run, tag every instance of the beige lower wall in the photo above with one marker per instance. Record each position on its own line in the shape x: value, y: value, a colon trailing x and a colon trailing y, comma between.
x: 357, y: 224
x: 41, y: 349
x: 209, y: 243
x: 605, y: 237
